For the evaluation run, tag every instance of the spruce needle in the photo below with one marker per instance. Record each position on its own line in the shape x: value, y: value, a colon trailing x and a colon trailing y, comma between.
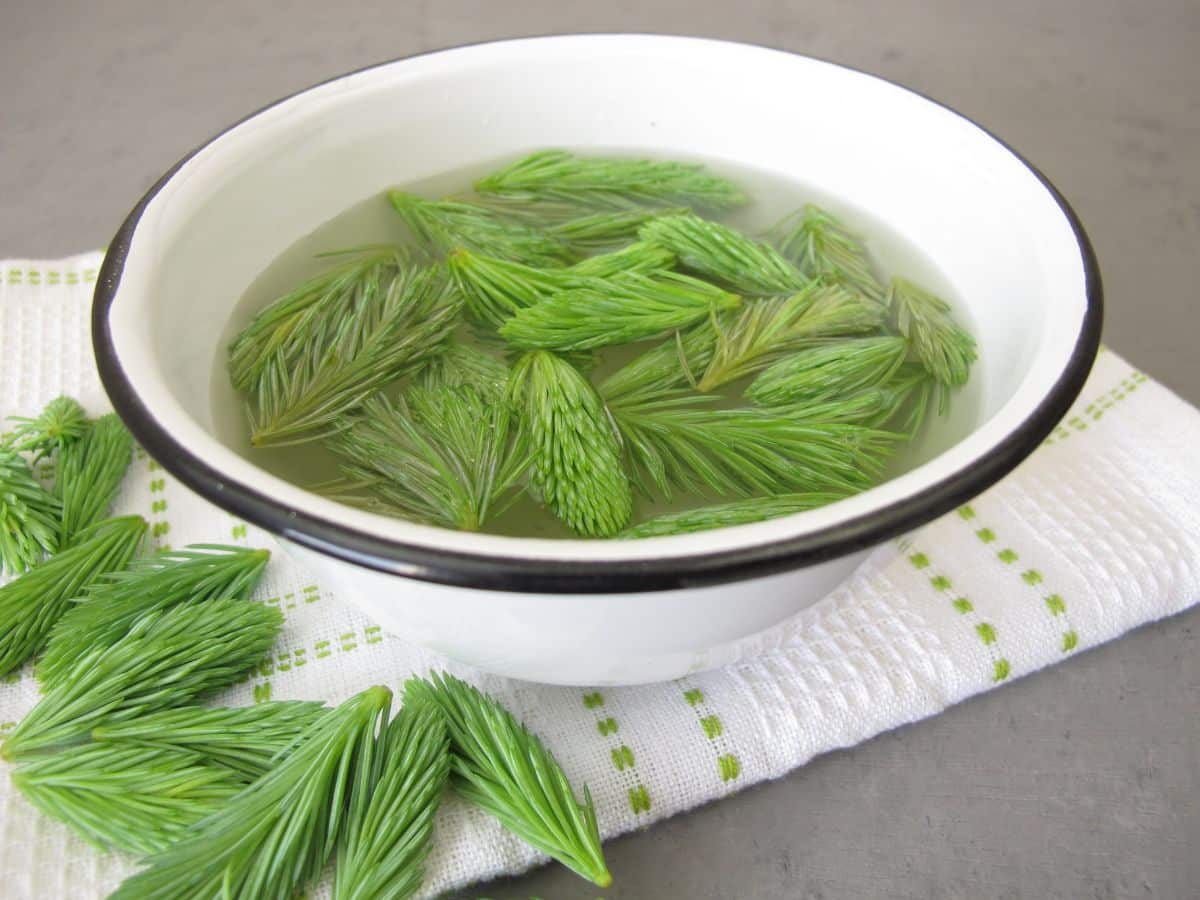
x: 768, y: 329
x: 447, y: 225
x: 447, y: 456
x: 112, y: 603
x: 622, y: 310
x: 29, y: 516
x: 942, y: 346
x: 828, y: 371
x: 389, y: 333
x: 609, y: 184
x: 33, y: 602
x: 640, y: 257
x: 126, y: 797
x: 576, y: 461
x: 277, y: 834
x: 463, y: 365
x: 682, y: 441
x: 607, y: 231
x: 726, y: 256
x: 502, y: 767
x: 304, y: 322
x: 724, y: 515
x: 90, y: 471
x: 662, y: 370
x: 392, y: 804
x: 822, y: 247
x: 876, y: 407
x: 495, y: 289
x: 60, y: 422
x: 169, y: 658
x: 246, y: 739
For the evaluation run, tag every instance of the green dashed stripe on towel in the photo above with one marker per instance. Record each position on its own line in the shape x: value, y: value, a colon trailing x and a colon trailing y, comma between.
x: 282, y: 661
x: 1009, y: 558
x: 160, y: 525
x: 619, y: 752
x: 1094, y: 411
x: 985, y: 632
x: 17, y: 275
x: 310, y: 593
x: 729, y: 767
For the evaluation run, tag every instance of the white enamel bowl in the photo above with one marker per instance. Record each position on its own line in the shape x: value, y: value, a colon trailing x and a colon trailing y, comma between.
x: 573, y: 611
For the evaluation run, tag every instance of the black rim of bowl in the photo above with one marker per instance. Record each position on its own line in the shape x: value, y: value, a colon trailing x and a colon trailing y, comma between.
x: 524, y: 574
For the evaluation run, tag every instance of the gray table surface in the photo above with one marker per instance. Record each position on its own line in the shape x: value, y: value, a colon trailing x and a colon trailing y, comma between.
x: 1082, y: 784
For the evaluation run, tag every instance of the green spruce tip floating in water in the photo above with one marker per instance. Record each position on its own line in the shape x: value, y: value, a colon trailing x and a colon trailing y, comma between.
x: 60, y: 422
x: 578, y: 228
x: 502, y: 767
x: 576, y: 467
x: 110, y: 604
x: 33, y: 602
x: 450, y: 456
x: 495, y: 289
x: 169, y: 658
x: 132, y: 797
x: 639, y: 258
x: 594, y: 183
x: 900, y: 404
x: 942, y: 346
x: 390, y: 333
x: 245, y: 739
x: 90, y: 472
x: 684, y: 442
x: 442, y: 226
x: 606, y: 232
x: 725, y: 255
x: 725, y: 515
x: 828, y: 371
x: 676, y: 363
x: 29, y: 516
x: 305, y: 321
x: 747, y: 305
x: 911, y: 392
x: 620, y: 310
x: 272, y: 838
x: 462, y: 364
x: 822, y: 247
x: 770, y: 328
x: 395, y: 795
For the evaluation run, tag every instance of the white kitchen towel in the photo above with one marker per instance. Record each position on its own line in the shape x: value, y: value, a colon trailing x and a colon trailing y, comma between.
x: 1097, y: 533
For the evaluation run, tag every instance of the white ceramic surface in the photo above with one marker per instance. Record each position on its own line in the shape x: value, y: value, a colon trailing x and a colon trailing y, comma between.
x: 997, y: 234
x: 582, y: 639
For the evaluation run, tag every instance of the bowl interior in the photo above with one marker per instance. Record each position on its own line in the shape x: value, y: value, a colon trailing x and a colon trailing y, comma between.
x: 998, y: 240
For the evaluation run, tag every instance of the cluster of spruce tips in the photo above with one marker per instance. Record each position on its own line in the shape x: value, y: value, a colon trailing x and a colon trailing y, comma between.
x: 225, y: 801
x: 475, y: 361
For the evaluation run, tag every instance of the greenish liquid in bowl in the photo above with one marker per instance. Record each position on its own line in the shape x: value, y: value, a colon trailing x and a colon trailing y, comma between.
x: 375, y: 222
